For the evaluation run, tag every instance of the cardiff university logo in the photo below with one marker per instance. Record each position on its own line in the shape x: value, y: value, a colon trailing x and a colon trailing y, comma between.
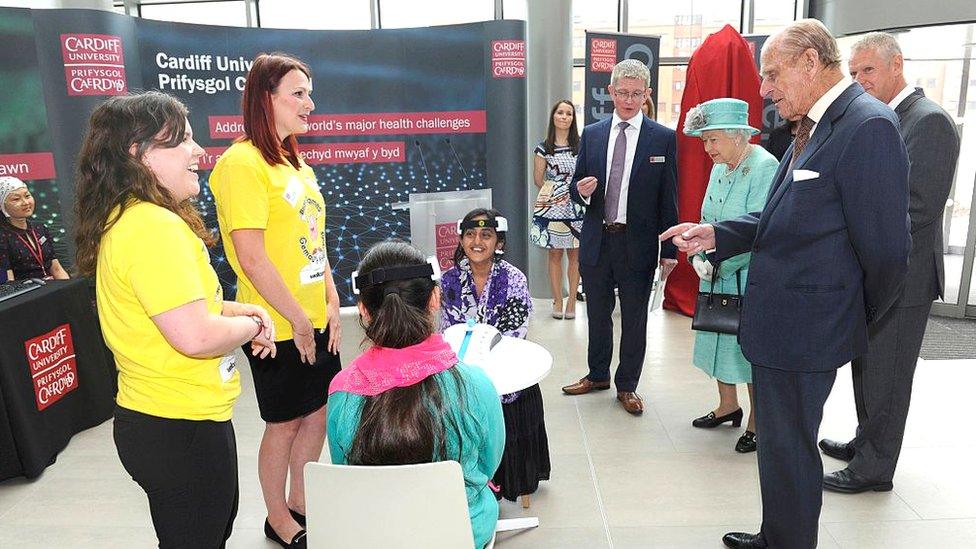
x: 94, y: 64
x: 51, y: 358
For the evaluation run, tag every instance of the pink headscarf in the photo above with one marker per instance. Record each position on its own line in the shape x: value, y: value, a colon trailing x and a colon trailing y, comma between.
x: 380, y: 369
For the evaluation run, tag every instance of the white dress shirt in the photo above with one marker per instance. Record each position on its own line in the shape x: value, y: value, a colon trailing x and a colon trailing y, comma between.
x: 633, y: 132
x: 902, y: 95
x: 820, y: 107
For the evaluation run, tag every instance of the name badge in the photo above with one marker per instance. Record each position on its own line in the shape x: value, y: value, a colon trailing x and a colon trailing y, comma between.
x: 657, y: 160
x: 294, y: 191
x: 228, y: 366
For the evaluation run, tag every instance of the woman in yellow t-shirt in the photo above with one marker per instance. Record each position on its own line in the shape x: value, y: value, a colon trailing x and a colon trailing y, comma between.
x: 163, y: 315
x: 272, y: 223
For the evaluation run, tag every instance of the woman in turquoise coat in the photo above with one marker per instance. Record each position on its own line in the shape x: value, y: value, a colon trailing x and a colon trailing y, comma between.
x: 738, y: 184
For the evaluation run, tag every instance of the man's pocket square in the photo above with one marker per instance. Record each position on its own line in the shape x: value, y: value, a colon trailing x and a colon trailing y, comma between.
x: 803, y: 175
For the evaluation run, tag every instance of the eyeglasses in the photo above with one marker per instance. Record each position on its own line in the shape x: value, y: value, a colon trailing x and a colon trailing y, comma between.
x: 636, y: 96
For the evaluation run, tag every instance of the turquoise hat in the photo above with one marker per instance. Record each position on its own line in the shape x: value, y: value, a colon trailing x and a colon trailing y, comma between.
x: 718, y: 114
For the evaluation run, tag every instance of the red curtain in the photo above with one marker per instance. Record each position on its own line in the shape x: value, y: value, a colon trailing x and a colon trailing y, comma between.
x: 722, y: 66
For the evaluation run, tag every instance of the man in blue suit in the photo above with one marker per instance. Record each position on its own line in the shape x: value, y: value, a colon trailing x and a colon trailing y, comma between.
x: 626, y: 177
x: 829, y: 256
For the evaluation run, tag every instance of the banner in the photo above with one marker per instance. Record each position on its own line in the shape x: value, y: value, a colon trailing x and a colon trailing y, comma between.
x: 770, y: 116
x: 397, y: 111
x: 25, y: 137
x: 603, y: 51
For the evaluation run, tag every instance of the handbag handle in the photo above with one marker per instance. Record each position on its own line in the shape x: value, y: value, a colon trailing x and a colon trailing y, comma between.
x: 738, y: 282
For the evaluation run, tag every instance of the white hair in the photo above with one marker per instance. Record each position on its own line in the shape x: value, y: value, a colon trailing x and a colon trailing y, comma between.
x: 881, y: 42
x: 630, y: 68
x: 803, y: 35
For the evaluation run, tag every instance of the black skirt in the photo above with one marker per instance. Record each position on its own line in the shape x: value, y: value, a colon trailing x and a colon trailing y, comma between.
x: 286, y: 387
x: 526, y: 458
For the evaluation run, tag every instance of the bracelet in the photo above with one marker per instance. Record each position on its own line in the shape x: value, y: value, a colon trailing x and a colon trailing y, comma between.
x: 260, y: 324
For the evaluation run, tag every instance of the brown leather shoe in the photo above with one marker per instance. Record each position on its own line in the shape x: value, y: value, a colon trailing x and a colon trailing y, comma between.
x: 631, y: 402
x: 584, y: 386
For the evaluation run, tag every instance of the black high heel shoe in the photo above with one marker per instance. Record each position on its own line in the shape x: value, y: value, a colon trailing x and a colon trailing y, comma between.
x: 709, y: 420
x: 299, y: 518
x: 297, y: 542
x: 747, y: 443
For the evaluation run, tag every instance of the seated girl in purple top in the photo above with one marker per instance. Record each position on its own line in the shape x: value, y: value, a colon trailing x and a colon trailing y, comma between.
x: 483, y: 286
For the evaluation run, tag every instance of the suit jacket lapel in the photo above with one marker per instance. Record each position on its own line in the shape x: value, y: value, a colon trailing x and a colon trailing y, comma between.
x: 603, y: 138
x: 907, y: 103
x: 640, y: 153
x: 784, y: 175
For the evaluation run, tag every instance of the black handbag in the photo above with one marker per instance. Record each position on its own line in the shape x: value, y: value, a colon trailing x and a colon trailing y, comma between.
x: 718, y: 312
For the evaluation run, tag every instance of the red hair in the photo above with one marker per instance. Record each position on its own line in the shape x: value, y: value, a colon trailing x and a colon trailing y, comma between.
x: 259, y: 122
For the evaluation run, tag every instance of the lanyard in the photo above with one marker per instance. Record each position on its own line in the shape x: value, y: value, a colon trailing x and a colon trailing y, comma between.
x: 36, y: 253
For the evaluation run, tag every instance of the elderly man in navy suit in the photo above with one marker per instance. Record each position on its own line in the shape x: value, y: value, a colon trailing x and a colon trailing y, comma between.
x: 883, y: 376
x: 829, y: 256
x: 626, y: 177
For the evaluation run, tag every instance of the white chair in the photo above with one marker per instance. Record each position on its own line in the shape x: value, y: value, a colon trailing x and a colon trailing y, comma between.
x: 396, y: 507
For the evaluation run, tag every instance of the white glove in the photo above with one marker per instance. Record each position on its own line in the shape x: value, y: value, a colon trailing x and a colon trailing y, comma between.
x: 702, y: 267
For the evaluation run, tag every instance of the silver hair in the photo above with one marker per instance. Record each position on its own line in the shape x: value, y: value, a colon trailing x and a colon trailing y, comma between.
x: 881, y: 42
x: 630, y: 68
x: 738, y: 134
x: 805, y: 34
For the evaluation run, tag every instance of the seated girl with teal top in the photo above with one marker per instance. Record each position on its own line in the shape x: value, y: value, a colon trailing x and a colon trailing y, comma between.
x: 406, y: 399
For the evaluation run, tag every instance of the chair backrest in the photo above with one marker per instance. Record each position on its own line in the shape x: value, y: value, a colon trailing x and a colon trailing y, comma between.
x: 402, y: 506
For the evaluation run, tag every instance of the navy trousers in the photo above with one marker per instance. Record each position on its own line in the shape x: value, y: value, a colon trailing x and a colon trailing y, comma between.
x: 634, y: 288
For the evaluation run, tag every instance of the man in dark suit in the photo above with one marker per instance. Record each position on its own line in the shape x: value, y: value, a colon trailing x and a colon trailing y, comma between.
x: 883, y: 376
x: 626, y: 177
x: 829, y: 255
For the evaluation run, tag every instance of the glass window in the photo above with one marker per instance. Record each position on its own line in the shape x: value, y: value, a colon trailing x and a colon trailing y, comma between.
x: 591, y: 15
x: 395, y: 14
x: 671, y: 88
x: 231, y: 14
x: 515, y: 9
x: 308, y: 14
x: 682, y: 24
x: 579, y: 95
x: 770, y: 16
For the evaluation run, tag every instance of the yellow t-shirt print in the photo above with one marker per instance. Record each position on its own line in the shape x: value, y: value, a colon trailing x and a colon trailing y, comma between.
x: 288, y: 206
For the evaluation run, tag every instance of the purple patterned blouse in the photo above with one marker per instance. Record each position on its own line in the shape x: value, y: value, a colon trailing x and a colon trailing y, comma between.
x: 505, y: 302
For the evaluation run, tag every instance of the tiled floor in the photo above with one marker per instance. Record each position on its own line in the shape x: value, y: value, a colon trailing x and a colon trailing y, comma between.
x: 617, y: 481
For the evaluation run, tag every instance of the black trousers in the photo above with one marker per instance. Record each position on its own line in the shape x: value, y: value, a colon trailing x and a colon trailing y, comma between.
x: 189, y: 471
x: 789, y: 407
x: 634, y: 288
x: 883, y: 390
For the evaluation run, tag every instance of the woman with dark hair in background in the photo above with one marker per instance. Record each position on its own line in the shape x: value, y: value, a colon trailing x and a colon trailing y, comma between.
x: 490, y: 290
x: 272, y: 222
x: 648, y: 108
x: 26, y: 249
x: 163, y: 315
x: 557, y: 220
x: 406, y: 399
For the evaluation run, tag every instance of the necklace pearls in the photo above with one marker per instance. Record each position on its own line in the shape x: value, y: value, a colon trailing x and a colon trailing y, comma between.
x: 745, y: 152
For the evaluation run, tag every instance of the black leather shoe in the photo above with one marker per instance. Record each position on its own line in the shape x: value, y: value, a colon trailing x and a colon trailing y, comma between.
x: 742, y: 540
x: 297, y: 542
x: 837, y: 450
x: 846, y: 481
x: 747, y: 443
x: 709, y: 420
x: 299, y: 518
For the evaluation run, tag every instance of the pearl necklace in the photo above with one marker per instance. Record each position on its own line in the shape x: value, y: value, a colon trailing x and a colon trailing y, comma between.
x: 742, y: 157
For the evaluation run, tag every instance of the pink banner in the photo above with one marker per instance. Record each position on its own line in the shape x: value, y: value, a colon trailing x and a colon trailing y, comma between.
x: 362, y: 124
x: 28, y: 166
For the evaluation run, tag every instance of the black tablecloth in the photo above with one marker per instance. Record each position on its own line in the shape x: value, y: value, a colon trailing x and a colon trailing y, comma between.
x: 46, y: 395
